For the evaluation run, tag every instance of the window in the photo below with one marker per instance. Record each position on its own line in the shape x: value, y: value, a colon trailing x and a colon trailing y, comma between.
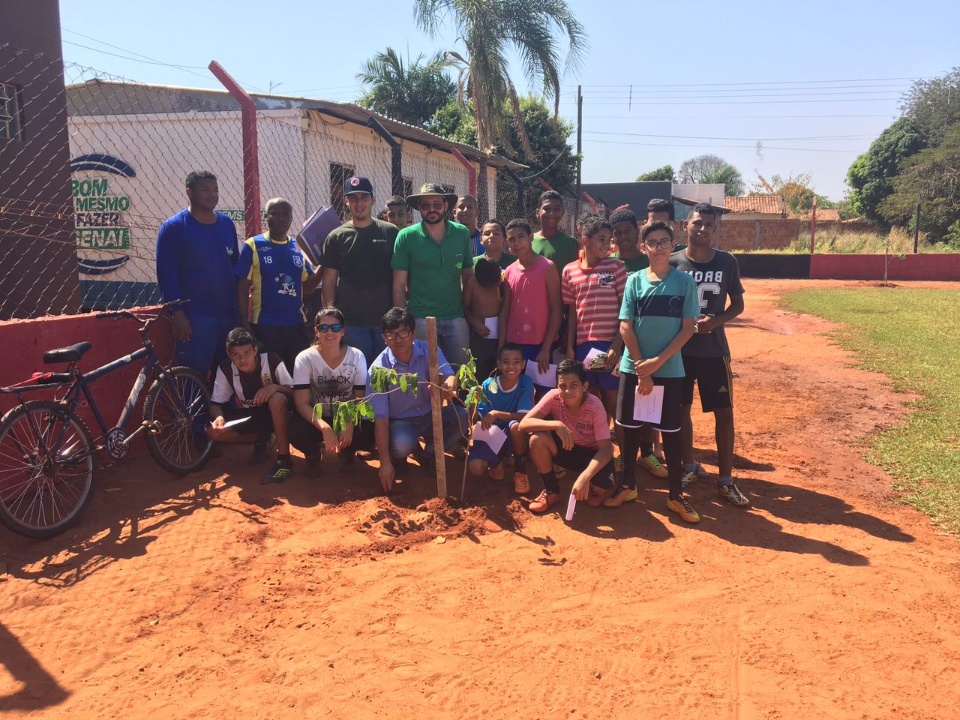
x: 10, y: 103
x: 339, y: 174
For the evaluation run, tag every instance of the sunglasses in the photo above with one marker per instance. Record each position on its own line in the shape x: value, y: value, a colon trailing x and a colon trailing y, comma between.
x: 399, y: 335
x: 336, y: 327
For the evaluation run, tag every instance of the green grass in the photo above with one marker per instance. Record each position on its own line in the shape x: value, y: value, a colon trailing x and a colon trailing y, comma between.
x: 838, y: 241
x: 913, y: 337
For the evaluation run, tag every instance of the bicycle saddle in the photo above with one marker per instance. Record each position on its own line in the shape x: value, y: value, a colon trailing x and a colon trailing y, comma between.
x: 66, y: 354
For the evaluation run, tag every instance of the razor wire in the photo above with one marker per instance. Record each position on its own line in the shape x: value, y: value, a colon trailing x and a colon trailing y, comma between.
x: 83, y: 192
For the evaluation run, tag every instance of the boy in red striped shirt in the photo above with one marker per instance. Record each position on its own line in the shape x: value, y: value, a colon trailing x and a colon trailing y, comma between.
x: 592, y: 288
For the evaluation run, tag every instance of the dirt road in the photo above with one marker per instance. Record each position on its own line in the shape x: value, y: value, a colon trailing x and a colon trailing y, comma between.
x: 215, y: 597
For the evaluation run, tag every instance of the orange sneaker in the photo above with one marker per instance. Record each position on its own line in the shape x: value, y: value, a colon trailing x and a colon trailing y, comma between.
x: 544, y: 502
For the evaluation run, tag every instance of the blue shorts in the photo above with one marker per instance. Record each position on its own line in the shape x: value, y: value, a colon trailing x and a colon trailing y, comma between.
x: 479, y: 450
x: 603, y: 379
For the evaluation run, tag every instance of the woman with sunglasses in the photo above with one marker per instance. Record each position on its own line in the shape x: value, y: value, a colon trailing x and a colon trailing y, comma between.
x: 325, y: 373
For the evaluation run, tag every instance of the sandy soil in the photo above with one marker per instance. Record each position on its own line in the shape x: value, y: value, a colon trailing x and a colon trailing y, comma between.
x: 215, y: 597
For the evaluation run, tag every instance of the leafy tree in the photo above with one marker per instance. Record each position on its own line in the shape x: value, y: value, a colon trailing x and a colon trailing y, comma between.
x: 409, y: 93
x: 932, y: 176
x: 491, y: 32
x: 712, y: 170
x: 553, y: 159
x: 871, y: 175
x: 795, y: 190
x: 664, y: 173
x: 934, y: 105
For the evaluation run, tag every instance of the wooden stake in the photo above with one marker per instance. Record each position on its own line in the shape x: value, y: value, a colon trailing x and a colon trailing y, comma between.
x: 435, y: 405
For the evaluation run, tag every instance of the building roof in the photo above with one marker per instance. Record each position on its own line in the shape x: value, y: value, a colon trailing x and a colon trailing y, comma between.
x: 756, y: 204
x: 109, y: 97
x: 828, y: 214
x: 690, y: 202
x: 634, y: 194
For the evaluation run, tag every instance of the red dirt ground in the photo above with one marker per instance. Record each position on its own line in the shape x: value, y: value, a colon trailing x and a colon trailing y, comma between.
x: 215, y: 597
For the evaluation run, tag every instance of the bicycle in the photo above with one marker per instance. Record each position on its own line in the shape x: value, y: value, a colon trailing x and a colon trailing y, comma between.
x: 47, y: 454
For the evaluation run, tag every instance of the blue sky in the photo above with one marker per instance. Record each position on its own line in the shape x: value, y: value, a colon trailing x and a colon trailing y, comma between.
x: 769, y: 89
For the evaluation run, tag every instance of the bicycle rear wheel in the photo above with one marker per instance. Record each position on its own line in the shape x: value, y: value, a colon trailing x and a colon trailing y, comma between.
x: 47, y: 468
x: 178, y: 402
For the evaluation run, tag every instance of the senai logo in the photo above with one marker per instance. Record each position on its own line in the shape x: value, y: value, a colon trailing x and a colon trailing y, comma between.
x: 100, y: 220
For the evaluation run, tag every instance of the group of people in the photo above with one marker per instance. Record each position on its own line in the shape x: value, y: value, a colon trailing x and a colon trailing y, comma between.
x: 568, y: 333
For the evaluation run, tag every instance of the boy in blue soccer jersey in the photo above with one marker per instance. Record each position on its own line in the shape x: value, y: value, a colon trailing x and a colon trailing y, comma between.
x: 272, y: 266
x: 509, y: 396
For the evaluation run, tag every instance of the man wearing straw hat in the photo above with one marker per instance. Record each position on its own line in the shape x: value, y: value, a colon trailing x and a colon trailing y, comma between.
x: 432, y: 263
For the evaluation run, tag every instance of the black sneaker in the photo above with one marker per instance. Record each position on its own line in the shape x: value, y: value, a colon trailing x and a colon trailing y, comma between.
x: 281, y: 471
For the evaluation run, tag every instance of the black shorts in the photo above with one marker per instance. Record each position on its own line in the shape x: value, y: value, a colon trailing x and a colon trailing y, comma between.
x: 714, y: 380
x: 577, y: 460
x: 259, y: 424
x: 669, y: 418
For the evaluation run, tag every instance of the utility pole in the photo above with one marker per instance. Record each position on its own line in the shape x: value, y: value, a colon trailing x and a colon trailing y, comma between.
x: 579, y: 148
x: 916, y: 228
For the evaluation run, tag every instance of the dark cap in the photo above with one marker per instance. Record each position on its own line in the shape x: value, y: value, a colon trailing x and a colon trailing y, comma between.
x: 357, y: 184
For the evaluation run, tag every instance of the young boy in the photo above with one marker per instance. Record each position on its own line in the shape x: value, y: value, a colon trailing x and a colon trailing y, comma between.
x: 626, y: 236
x: 263, y: 389
x: 493, y: 235
x: 509, y: 396
x: 531, y: 309
x: 656, y: 319
x: 569, y: 429
x: 592, y: 290
x: 481, y: 303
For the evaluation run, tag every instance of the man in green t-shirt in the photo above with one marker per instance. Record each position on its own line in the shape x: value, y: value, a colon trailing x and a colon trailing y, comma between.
x: 432, y: 263
x: 549, y: 242
x: 356, y: 269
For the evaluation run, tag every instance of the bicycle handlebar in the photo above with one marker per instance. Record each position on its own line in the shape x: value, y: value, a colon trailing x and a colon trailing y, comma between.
x: 146, y: 321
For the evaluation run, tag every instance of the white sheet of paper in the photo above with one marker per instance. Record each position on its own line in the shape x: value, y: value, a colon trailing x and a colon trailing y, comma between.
x: 547, y: 379
x: 571, y: 507
x: 235, y: 422
x: 649, y: 408
x: 494, y: 437
x: 493, y: 325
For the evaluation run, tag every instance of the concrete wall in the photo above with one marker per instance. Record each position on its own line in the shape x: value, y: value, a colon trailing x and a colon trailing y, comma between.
x: 772, y: 234
x: 928, y: 266
x: 111, y: 339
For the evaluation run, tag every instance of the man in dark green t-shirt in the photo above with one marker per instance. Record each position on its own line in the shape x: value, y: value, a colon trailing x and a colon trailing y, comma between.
x: 356, y: 269
x: 549, y: 241
x: 432, y: 263
x: 626, y: 236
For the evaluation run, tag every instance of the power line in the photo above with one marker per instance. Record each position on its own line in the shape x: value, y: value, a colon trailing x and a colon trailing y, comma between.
x: 750, y: 147
x: 721, y: 117
x: 703, y: 137
x: 762, y: 82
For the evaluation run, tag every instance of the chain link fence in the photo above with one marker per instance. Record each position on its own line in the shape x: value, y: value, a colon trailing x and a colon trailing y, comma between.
x: 84, y: 192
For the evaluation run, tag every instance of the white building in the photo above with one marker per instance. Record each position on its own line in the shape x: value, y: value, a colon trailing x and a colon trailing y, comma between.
x: 132, y: 146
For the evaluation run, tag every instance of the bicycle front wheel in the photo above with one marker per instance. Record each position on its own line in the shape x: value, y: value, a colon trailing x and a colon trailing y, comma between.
x: 47, y: 466
x: 177, y: 407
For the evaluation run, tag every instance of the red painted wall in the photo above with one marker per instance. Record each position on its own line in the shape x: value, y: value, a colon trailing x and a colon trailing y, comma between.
x: 25, y: 341
x: 928, y: 266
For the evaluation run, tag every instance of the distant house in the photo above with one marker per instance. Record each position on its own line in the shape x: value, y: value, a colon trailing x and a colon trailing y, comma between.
x: 755, y: 207
x: 828, y: 215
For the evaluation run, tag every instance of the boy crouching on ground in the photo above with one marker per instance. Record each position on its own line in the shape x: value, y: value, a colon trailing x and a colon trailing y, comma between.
x: 569, y: 428
x: 262, y: 388
x: 508, y: 397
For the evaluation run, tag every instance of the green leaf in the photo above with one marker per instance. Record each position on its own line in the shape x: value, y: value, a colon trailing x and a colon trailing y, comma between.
x: 403, y: 383
x: 366, y: 409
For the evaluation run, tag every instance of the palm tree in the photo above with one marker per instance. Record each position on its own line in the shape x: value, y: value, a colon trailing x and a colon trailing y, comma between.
x: 411, y: 93
x: 489, y: 29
